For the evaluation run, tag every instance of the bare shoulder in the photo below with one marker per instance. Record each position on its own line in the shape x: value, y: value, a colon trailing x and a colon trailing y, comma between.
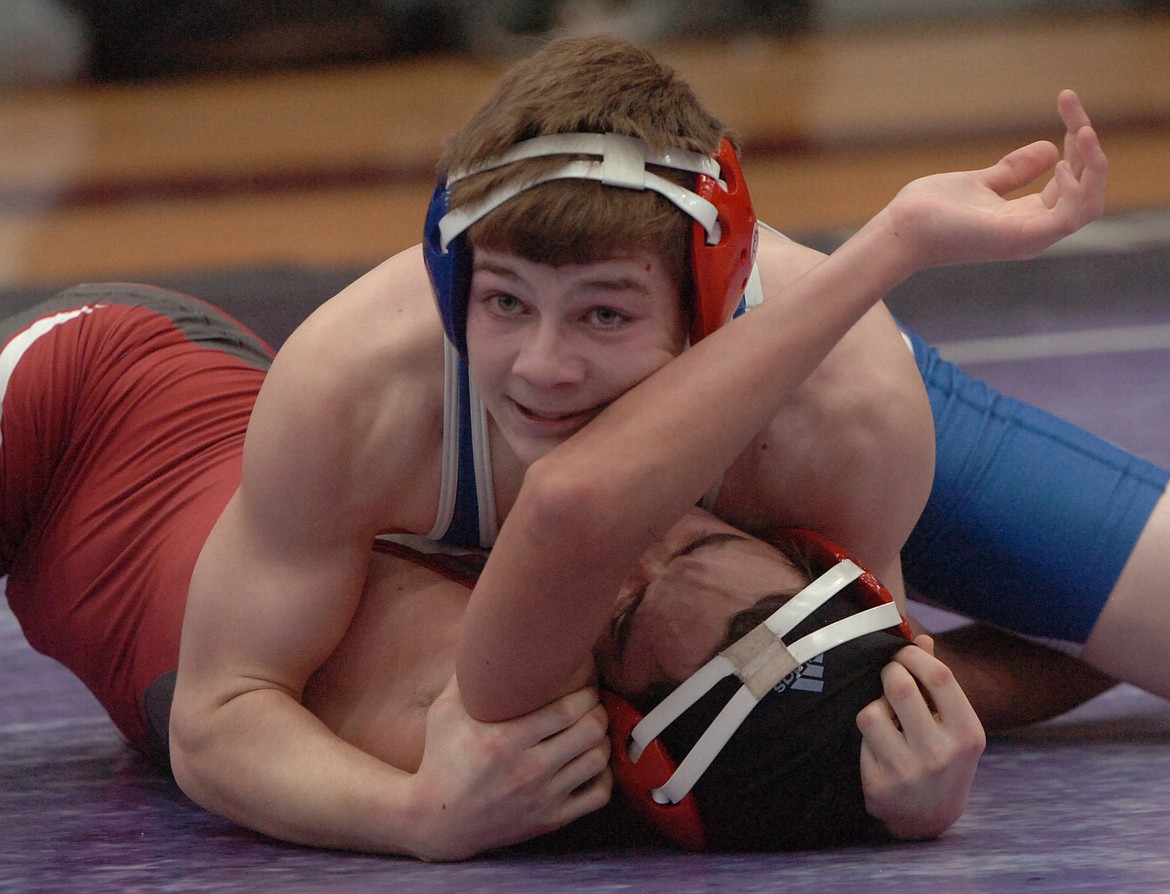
x: 387, y: 315
x: 851, y: 452
x: 782, y: 260
x: 352, y: 408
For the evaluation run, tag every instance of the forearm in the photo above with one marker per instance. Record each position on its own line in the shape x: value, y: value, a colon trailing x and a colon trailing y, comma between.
x: 674, y: 434
x: 242, y: 744
x: 1011, y: 681
x: 266, y: 763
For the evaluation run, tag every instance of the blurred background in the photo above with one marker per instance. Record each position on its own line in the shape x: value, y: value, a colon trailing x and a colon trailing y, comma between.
x: 144, y: 138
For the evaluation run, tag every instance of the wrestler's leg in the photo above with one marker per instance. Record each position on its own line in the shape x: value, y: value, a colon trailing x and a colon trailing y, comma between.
x: 1033, y: 524
x: 1031, y: 520
x: 1131, y: 639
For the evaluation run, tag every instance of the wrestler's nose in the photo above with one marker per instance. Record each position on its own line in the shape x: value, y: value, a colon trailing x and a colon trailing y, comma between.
x: 547, y: 357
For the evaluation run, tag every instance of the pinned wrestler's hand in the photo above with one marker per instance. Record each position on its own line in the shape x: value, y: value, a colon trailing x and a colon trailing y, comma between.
x: 487, y: 785
x: 983, y: 215
x: 921, y: 744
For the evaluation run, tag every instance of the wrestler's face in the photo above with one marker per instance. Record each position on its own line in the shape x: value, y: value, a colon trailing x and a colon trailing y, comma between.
x: 550, y: 347
x: 672, y: 612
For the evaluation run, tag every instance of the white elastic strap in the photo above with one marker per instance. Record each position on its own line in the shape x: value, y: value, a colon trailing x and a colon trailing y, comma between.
x: 604, y: 145
x: 455, y: 222
x: 485, y: 493
x: 753, y: 295
x: 716, y: 736
x: 795, y: 610
x: 820, y: 641
x: 734, y: 713
x: 812, y: 597
x: 672, y: 707
x: 448, y: 481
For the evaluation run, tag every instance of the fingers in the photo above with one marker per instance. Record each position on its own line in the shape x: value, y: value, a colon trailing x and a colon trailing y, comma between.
x: 580, y: 751
x: 880, y: 733
x: 1020, y: 167
x: 1076, y: 200
x: 945, y: 697
x: 1094, y: 171
x: 1075, y: 194
x: 921, y: 694
x: 901, y: 718
x: 591, y: 794
x: 562, y: 714
x: 581, y: 781
x: 1085, y: 158
x: 1074, y: 116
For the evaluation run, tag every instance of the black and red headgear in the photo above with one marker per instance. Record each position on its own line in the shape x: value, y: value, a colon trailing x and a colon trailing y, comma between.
x: 767, y: 728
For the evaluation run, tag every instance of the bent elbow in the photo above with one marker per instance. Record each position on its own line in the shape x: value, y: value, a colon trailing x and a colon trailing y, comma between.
x: 554, y: 500
x: 200, y: 747
x: 184, y: 748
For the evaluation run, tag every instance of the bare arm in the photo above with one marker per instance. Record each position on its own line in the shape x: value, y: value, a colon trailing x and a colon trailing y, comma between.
x: 333, y: 456
x: 277, y: 584
x: 243, y: 745
x: 274, y: 590
x: 1012, y: 682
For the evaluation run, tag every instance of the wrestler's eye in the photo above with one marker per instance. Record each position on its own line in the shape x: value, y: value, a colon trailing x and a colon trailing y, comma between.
x: 607, y: 317
x: 507, y: 305
x: 620, y: 629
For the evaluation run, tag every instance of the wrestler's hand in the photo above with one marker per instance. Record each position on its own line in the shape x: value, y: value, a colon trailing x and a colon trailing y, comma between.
x: 486, y: 785
x: 921, y: 743
x: 968, y: 216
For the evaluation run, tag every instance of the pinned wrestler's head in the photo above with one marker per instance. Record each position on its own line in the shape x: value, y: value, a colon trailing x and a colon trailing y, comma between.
x: 741, y: 734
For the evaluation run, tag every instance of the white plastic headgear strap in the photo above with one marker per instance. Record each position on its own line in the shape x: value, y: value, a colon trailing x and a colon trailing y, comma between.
x: 761, y: 660
x: 623, y: 164
x: 613, y: 148
x: 780, y: 622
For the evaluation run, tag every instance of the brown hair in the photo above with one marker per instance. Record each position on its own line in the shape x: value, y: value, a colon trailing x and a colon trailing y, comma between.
x: 598, y: 84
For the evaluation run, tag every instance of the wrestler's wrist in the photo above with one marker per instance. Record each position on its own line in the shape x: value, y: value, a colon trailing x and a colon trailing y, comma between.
x: 431, y: 830
x: 885, y: 251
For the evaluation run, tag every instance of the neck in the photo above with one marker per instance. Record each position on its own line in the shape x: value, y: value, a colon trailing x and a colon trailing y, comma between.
x: 508, y: 472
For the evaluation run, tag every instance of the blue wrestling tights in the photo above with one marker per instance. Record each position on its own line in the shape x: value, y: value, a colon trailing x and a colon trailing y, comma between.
x: 1030, y: 519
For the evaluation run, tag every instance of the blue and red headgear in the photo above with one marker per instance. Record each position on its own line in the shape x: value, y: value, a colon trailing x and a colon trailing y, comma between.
x: 724, y: 237
x: 783, y: 757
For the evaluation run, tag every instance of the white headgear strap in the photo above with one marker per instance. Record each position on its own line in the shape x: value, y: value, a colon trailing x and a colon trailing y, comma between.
x: 761, y: 660
x: 622, y: 163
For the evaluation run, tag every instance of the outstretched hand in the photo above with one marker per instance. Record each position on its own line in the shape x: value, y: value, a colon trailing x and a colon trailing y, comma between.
x: 973, y: 216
